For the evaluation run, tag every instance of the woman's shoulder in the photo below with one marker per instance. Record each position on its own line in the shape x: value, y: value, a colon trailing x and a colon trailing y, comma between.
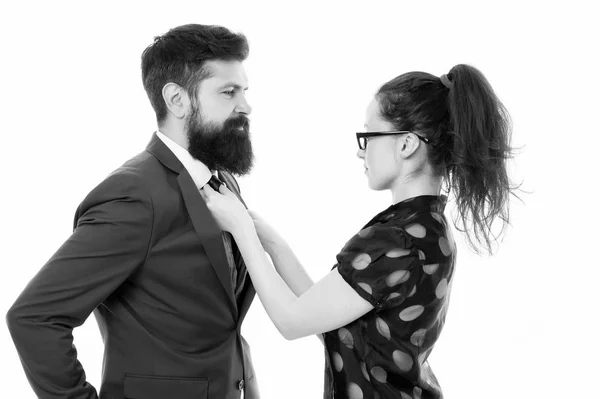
x: 426, y: 233
x: 420, y: 224
x: 415, y: 225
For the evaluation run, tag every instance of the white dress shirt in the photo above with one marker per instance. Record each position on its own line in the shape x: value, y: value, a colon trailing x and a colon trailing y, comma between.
x: 199, y: 171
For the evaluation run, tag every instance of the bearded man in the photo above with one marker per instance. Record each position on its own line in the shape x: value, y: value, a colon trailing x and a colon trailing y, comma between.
x: 168, y: 288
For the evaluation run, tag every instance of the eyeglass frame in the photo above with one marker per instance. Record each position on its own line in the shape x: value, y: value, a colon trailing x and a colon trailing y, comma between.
x: 360, y: 135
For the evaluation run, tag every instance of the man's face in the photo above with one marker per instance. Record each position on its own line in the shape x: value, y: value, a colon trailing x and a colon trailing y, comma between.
x: 218, y: 128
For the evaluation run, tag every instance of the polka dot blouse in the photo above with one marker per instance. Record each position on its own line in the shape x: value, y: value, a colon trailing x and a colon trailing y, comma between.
x: 402, y: 262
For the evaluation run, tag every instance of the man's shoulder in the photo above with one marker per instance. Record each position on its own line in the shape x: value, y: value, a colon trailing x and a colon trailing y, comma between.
x: 140, y: 175
x: 143, y: 166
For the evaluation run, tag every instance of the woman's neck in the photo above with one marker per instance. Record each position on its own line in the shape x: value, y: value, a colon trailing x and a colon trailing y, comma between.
x: 415, y: 186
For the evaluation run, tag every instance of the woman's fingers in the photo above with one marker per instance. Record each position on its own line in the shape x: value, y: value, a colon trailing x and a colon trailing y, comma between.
x: 224, y: 190
x: 208, y: 190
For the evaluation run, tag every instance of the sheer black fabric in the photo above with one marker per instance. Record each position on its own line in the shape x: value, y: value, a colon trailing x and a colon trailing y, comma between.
x: 402, y: 262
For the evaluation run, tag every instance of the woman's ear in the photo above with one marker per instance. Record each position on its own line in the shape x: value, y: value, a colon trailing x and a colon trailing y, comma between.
x: 407, y: 146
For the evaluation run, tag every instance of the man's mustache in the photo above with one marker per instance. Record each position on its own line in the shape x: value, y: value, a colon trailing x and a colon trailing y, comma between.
x: 237, y: 122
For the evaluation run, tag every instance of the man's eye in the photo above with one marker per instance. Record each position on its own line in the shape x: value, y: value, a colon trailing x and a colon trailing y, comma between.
x: 229, y: 92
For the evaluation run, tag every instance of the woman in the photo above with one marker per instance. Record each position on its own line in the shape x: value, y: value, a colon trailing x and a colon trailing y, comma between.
x: 382, y: 307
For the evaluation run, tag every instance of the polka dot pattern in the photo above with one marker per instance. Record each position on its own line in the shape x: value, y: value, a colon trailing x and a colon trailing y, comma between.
x: 346, y: 337
x: 444, y: 246
x: 338, y: 363
x: 402, y: 360
x: 363, y: 370
x: 418, y: 337
x: 383, y: 328
x: 397, y: 277
x: 442, y: 287
x: 411, y: 313
x: 366, y: 287
x: 354, y: 391
x: 366, y: 233
x: 379, y: 374
x: 402, y: 263
x: 413, y: 291
x: 430, y: 269
x: 361, y: 261
x: 397, y: 252
x: 416, y: 230
x: 393, y: 295
x: 437, y: 217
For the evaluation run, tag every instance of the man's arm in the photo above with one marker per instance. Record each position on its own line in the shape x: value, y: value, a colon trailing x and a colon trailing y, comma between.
x: 110, y: 241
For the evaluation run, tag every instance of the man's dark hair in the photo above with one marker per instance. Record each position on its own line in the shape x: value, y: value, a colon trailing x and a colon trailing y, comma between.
x: 179, y: 56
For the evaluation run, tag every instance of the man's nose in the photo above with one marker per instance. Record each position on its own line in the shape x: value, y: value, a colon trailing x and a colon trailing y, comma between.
x: 243, y: 106
x: 360, y: 153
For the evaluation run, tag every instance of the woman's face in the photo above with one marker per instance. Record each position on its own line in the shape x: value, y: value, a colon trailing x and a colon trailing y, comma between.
x: 381, y: 166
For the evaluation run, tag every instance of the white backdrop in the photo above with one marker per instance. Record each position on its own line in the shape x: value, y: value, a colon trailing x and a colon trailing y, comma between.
x: 522, y: 324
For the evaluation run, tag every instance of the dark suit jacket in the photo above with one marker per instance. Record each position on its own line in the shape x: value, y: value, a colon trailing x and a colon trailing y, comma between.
x: 147, y: 257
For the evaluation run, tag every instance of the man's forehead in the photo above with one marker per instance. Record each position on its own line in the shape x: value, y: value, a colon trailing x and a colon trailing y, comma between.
x: 226, y: 72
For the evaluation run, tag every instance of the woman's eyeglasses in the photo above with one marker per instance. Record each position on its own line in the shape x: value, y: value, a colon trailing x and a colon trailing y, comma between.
x: 363, y: 136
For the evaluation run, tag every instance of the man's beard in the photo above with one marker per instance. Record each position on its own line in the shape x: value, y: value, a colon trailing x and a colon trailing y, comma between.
x: 227, y: 148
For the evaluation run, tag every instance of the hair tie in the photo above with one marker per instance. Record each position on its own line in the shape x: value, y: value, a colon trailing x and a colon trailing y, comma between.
x: 445, y: 81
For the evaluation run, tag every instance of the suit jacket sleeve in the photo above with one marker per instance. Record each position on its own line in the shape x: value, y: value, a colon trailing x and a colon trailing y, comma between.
x: 110, y: 241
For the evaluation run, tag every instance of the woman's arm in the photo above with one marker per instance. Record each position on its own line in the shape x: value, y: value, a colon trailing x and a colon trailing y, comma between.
x: 290, y: 269
x: 329, y: 304
x: 284, y: 259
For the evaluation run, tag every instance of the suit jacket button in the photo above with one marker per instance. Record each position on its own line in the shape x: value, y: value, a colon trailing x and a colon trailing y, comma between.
x: 241, y: 385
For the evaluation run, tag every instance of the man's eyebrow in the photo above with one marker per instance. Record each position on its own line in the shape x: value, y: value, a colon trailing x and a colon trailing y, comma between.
x: 234, y: 85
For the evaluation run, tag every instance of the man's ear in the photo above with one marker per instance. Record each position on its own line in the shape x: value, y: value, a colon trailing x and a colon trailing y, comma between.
x: 176, y: 99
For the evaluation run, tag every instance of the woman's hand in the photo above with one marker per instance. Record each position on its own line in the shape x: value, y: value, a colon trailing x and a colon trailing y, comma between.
x: 226, y: 208
x: 267, y: 234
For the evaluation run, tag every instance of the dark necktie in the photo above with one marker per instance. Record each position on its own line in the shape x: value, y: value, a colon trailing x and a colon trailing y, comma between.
x: 215, y: 183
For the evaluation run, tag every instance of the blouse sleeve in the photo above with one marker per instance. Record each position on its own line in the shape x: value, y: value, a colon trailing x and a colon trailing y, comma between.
x: 381, y: 265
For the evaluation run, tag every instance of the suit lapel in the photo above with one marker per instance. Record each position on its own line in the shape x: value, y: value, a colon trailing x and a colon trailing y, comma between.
x: 204, y: 224
x: 208, y: 231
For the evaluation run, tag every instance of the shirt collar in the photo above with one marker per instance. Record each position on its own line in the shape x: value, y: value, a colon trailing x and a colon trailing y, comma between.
x: 199, y: 171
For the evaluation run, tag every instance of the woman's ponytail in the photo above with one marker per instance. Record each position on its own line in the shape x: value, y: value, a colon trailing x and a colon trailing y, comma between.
x: 480, y: 130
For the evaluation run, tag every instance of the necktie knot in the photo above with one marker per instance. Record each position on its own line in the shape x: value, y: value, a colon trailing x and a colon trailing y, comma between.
x: 215, y: 183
